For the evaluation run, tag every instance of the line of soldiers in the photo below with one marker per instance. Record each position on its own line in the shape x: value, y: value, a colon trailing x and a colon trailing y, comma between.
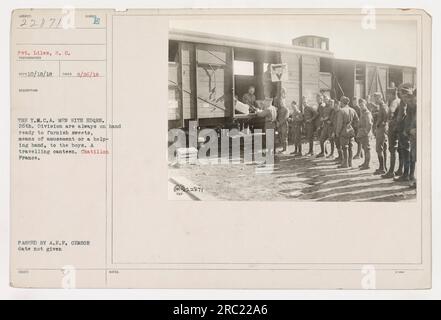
x: 343, y: 122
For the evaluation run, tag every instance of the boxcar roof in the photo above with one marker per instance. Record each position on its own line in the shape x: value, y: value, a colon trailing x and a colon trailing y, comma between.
x: 375, y: 63
x: 229, y: 41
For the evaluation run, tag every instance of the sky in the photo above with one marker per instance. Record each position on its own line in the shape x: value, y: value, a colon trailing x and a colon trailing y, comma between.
x: 391, y: 42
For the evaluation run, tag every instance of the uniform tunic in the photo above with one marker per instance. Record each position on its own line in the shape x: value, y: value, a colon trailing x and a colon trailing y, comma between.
x: 249, y: 99
x: 282, y: 121
x: 347, y: 119
x: 296, y: 126
x: 395, y: 113
x: 381, y: 127
x: 327, y: 127
x: 309, y: 116
x: 364, y: 128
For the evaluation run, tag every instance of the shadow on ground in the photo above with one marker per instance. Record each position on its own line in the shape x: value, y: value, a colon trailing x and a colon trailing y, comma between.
x: 320, y: 179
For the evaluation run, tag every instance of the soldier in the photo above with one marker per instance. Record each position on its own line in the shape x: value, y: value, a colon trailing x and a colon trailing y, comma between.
x: 373, y: 108
x: 335, y: 141
x: 406, y: 128
x: 249, y: 98
x: 347, y: 120
x: 296, y: 127
x: 381, y: 128
x: 412, y: 103
x: 282, y: 119
x: 356, y: 107
x: 326, y: 115
x: 364, y: 132
x: 309, y: 116
x: 270, y: 116
x: 320, y: 106
x: 396, y: 108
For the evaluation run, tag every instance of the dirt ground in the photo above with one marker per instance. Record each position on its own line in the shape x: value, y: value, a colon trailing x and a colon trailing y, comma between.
x: 295, y: 178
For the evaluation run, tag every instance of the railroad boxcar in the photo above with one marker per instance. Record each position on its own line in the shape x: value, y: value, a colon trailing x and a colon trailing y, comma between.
x: 362, y: 79
x: 207, y: 72
x: 204, y: 76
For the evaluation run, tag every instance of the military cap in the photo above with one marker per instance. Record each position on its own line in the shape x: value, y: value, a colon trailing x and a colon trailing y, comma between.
x: 406, y: 89
x: 344, y: 100
x: 378, y: 95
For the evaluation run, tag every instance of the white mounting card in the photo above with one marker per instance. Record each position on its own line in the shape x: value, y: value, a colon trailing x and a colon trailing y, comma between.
x: 131, y: 166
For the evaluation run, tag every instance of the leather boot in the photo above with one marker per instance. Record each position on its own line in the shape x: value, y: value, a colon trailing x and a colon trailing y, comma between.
x: 344, y: 162
x: 399, y: 171
x: 412, y: 170
x: 340, y: 156
x: 311, y: 148
x: 350, y: 157
x: 380, y: 170
x: 367, y: 160
x: 390, y: 173
x: 405, y: 176
x: 322, y: 150
x: 358, y: 154
x: 406, y: 167
x: 331, y: 154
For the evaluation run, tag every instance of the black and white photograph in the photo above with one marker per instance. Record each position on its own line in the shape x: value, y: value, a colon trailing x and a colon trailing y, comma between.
x: 234, y: 153
x: 306, y: 108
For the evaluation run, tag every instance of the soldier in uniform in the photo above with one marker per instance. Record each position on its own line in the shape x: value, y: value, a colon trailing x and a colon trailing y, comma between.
x: 326, y: 115
x: 249, y: 98
x: 270, y: 116
x: 381, y: 129
x: 296, y: 127
x: 334, y: 140
x: 406, y: 130
x: 356, y: 107
x: 320, y: 106
x: 412, y: 136
x: 347, y: 120
x: 364, y: 133
x: 373, y: 108
x: 282, y: 119
x: 396, y: 108
x: 309, y: 116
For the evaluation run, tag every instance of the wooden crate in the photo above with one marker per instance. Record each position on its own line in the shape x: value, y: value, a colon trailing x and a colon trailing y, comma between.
x: 187, y: 155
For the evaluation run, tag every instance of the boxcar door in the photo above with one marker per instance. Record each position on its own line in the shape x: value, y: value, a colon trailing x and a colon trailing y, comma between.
x: 310, y: 78
x: 409, y: 76
x: 371, y: 80
x: 214, y: 83
x: 382, y: 80
x: 376, y: 79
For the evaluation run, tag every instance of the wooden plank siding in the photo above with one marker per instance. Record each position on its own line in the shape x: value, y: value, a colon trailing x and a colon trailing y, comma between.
x: 292, y: 85
x: 214, y: 81
x: 310, y: 78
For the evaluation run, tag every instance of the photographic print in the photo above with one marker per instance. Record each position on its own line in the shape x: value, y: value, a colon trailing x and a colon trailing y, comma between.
x: 299, y: 108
